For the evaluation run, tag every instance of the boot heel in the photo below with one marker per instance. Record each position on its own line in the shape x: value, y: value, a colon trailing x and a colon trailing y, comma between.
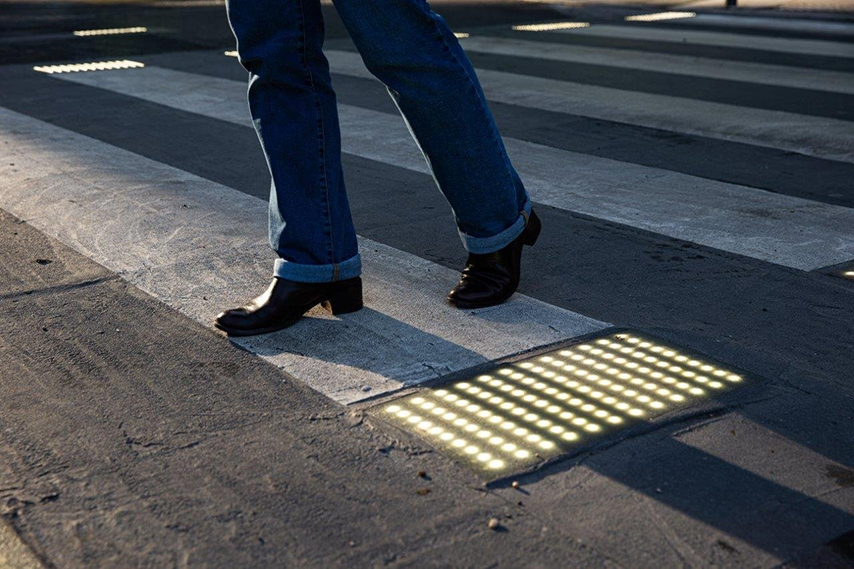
x: 532, y: 230
x: 346, y: 299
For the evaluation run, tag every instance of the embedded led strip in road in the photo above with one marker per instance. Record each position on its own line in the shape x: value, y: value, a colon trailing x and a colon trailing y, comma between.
x: 110, y: 31
x: 550, y: 27
x: 659, y: 16
x: 528, y: 411
x: 92, y: 66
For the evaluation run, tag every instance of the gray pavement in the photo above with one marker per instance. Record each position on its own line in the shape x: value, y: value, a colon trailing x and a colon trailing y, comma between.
x: 132, y: 434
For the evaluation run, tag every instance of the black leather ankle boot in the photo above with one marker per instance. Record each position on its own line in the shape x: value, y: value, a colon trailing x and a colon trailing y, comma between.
x: 492, y: 278
x: 284, y: 302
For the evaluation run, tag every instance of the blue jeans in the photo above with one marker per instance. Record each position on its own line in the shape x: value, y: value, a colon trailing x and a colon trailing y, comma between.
x: 410, y: 49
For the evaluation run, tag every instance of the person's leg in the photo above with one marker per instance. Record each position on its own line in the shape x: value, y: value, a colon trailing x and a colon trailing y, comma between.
x: 294, y: 112
x: 293, y: 108
x: 412, y: 51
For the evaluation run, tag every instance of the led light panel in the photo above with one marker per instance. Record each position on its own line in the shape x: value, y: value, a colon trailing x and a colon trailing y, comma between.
x: 551, y: 27
x: 93, y: 66
x: 660, y: 16
x: 848, y: 274
x: 110, y: 31
x: 532, y: 410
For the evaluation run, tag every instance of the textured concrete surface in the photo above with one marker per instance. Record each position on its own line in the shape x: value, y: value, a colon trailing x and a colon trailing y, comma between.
x: 132, y: 436
x: 201, y: 247
x: 781, y: 229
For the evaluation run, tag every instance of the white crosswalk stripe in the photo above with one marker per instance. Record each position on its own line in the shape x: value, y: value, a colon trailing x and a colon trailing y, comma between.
x: 780, y: 75
x: 739, y: 21
x: 719, y: 39
x: 814, y: 136
x: 199, y: 247
x: 775, y: 228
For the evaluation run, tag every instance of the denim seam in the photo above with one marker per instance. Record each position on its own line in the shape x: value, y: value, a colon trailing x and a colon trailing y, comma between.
x: 483, y: 108
x: 324, y: 173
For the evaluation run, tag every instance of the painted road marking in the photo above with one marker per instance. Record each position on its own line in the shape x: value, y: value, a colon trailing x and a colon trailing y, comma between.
x: 775, y: 228
x: 720, y: 39
x: 814, y: 136
x: 781, y: 75
x: 200, y: 247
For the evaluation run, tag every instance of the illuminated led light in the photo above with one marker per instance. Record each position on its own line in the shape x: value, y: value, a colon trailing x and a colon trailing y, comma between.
x: 92, y: 66
x: 110, y: 31
x: 461, y: 35
x: 643, y: 386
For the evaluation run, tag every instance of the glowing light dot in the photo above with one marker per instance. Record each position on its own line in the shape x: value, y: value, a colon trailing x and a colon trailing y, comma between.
x: 393, y: 408
x: 425, y: 425
x: 656, y: 405
x: 526, y: 365
x: 579, y: 421
x: 533, y: 437
x: 547, y: 445
x: 446, y: 436
x: 471, y: 450
x: 459, y: 443
x: 522, y: 454
x: 635, y: 412
x: 715, y: 384
x: 495, y: 464
x: 733, y: 377
x: 483, y: 434
x: 404, y: 413
x: 592, y: 427
x: 695, y: 391
x: 508, y: 447
x: 569, y: 436
x: 436, y: 431
x: 496, y: 440
x: 557, y: 429
x: 677, y: 398
x: 484, y: 457
x: 614, y: 419
x: 588, y: 407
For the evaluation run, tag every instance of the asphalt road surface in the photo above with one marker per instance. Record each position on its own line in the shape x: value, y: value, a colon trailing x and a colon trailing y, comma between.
x: 695, y: 178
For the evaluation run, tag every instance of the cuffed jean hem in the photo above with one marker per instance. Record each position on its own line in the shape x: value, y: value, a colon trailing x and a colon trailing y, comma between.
x: 296, y: 272
x: 482, y: 245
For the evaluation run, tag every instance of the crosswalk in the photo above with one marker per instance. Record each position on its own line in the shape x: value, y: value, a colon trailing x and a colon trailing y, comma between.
x: 199, y: 245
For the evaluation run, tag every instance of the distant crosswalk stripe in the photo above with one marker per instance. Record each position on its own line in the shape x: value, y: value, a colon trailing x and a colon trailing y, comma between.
x: 698, y: 37
x: 779, y: 75
x: 200, y: 247
x: 773, y: 24
x: 815, y: 136
x: 775, y: 228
